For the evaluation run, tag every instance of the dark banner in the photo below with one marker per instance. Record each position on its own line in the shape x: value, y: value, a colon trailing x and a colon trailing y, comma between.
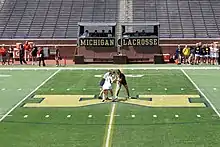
x: 99, y: 42
x: 138, y: 42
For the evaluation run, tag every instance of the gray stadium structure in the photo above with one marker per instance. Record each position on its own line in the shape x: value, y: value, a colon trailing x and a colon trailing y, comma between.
x: 181, y: 21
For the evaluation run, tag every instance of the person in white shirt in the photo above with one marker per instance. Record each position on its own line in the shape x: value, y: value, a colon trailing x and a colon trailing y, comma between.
x: 85, y: 34
x: 216, y: 54
x: 211, y: 54
x: 101, y: 83
x: 107, y: 86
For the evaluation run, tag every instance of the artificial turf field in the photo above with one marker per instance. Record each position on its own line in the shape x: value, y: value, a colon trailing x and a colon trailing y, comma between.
x: 74, y: 117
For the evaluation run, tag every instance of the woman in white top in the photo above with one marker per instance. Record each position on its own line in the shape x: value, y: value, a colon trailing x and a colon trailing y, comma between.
x: 211, y: 54
x: 215, y: 55
x: 107, y: 86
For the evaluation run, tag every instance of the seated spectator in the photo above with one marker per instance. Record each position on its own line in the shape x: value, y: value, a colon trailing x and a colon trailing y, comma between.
x: 125, y: 35
x: 85, y: 34
x: 95, y: 34
x: 136, y: 34
x: 143, y: 33
x: 109, y: 33
x: 103, y: 34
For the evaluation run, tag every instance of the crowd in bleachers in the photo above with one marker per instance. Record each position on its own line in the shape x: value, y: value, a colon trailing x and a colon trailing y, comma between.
x: 98, y: 34
x: 137, y: 34
x: 198, y: 54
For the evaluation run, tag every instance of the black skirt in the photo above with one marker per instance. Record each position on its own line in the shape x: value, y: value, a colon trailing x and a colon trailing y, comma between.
x: 34, y: 54
x: 11, y: 55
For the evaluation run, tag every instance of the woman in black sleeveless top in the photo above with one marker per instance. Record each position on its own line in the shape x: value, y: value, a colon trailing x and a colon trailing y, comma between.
x: 57, y: 56
x: 22, y: 54
x: 34, y: 54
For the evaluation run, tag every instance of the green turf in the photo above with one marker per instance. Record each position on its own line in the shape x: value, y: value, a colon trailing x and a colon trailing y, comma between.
x: 18, y: 85
x: 140, y: 131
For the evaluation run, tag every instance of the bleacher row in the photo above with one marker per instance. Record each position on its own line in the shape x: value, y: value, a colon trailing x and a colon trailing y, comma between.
x: 59, y: 18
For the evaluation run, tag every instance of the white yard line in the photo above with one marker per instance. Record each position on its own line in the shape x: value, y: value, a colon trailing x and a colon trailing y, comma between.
x: 110, y: 126
x: 105, y: 68
x: 213, y: 107
x: 5, y: 115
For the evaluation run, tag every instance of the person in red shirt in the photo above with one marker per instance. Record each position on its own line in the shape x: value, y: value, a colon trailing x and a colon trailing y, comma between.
x: 4, y: 54
x: 27, y: 46
x: 27, y: 49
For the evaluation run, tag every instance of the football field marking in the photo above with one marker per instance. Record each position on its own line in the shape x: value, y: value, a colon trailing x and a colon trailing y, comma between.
x: 110, y: 125
x: 6, y: 114
x: 25, y: 116
x: 4, y: 76
x: 200, y: 91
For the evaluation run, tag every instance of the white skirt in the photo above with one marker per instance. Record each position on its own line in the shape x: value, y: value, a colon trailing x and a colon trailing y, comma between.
x: 107, y: 86
x: 216, y: 55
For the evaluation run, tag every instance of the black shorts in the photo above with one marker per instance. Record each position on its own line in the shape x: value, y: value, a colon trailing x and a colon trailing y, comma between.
x: 11, y: 55
x: 124, y: 83
x: 34, y: 54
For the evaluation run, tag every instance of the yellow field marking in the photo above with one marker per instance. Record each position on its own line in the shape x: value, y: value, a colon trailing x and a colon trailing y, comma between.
x: 166, y: 101
x: 64, y: 101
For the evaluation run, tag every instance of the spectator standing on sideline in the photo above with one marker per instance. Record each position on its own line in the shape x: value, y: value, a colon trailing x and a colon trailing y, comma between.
x: 1, y: 54
x: 11, y: 55
x: 179, y: 54
x: 57, y: 56
x: 41, y: 56
x: 218, y: 57
x: 27, y: 49
x: 186, y: 53
x: 21, y: 54
x: 197, y: 53
x: 34, y: 54
x: 4, y: 54
x: 192, y: 55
